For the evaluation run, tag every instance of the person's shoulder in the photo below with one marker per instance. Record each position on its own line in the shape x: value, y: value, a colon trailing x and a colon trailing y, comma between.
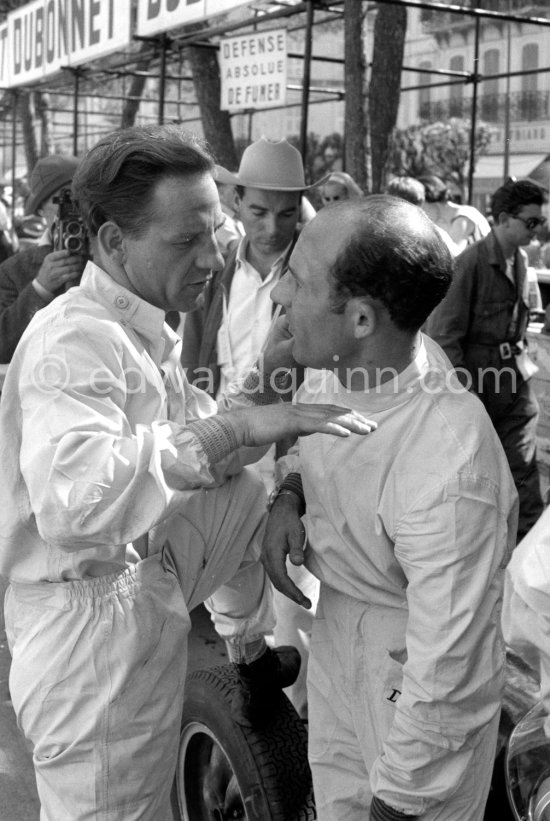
x: 77, y: 321
x: 480, y: 223
x: 467, y: 439
x: 448, y: 390
x: 26, y: 255
x: 474, y: 249
x: 450, y: 447
x: 22, y: 266
x: 472, y: 212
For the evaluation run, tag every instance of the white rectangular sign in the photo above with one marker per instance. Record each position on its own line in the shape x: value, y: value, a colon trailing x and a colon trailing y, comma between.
x: 155, y: 16
x: 4, y: 56
x: 253, y: 70
x: 44, y: 35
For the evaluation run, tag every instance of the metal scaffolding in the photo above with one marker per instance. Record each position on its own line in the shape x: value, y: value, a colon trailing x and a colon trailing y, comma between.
x: 163, y: 51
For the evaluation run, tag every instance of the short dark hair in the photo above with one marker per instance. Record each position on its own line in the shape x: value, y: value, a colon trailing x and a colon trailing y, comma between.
x: 436, y: 190
x: 408, y: 188
x: 116, y: 178
x: 513, y: 195
x: 394, y: 255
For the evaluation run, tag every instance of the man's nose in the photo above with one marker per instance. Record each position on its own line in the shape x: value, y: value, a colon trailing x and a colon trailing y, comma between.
x: 271, y: 223
x: 211, y: 258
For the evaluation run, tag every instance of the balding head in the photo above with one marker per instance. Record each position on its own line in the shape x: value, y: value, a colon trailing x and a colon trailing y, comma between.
x: 389, y: 250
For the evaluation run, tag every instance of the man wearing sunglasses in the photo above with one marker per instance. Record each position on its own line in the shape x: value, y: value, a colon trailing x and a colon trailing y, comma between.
x: 482, y: 323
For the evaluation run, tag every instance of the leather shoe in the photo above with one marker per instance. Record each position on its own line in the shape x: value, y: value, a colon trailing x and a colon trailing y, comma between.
x: 259, y: 691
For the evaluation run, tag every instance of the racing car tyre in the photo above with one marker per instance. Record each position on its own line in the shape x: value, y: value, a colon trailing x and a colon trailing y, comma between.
x: 226, y: 771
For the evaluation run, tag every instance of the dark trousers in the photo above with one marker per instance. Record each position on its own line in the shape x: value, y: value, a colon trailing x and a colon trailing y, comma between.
x: 512, y: 405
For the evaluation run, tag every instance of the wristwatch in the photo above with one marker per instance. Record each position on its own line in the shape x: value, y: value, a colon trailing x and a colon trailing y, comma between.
x: 292, y: 483
x: 281, y: 491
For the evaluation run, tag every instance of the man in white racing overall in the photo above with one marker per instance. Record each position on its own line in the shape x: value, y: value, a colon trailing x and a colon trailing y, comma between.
x: 408, y: 529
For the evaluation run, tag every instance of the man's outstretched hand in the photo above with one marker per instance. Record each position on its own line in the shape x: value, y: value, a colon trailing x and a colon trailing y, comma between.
x: 270, y: 423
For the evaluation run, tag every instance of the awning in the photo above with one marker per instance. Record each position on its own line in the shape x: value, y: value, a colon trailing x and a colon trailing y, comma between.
x: 541, y: 173
x: 534, y: 166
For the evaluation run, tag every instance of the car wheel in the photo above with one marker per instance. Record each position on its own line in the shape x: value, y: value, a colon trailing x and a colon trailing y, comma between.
x: 226, y: 771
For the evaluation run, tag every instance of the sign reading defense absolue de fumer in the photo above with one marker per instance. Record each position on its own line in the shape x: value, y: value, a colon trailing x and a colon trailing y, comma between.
x: 44, y: 35
x: 155, y: 16
x: 253, y: 70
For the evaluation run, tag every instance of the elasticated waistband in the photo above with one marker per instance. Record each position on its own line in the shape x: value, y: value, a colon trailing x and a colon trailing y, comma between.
x: 125, y: 582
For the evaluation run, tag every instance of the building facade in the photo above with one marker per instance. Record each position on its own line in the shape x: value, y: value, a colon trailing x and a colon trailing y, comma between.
x: 513, y: 89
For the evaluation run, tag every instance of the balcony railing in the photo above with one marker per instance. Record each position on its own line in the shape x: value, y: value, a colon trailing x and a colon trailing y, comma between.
x: 438, y: 21
x: 524, y: 106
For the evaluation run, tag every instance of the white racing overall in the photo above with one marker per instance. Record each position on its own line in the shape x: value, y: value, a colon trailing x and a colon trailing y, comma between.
x: 409, y: 531
x: 113, y: 526
x: 526, y: 607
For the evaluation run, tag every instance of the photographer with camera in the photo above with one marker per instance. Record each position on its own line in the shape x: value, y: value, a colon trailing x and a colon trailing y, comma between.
x: 33, y: 277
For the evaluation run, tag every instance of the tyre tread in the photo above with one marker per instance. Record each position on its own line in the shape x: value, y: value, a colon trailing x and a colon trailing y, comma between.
x: 279, y: 750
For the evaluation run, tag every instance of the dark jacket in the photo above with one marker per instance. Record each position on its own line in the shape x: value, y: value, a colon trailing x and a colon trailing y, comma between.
x: 483, y: 308
x: 200, y: 329
x: 19, y: 301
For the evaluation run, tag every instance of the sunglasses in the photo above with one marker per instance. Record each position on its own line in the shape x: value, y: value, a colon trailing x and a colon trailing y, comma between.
x: 531, y: 222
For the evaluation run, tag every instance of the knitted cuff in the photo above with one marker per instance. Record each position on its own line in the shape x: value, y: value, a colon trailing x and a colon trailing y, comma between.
x: 216, y: 436
x: 293, y: 482
x: 266, y: 388
x: 380, y: 811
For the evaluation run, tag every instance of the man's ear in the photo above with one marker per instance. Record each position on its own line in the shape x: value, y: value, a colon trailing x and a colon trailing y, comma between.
x: 363, y: 316
x: 111, y: 242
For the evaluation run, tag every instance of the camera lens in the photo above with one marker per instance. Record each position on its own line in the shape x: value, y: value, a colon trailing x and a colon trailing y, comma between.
x: 73, y: 244
x: 73, y: 227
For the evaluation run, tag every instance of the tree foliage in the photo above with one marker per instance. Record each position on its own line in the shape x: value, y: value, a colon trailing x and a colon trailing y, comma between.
x: 323, y: 154
x: 441, y: 148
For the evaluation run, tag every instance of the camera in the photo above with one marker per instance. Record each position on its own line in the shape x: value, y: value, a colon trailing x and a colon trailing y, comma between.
x: 69, y: 230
